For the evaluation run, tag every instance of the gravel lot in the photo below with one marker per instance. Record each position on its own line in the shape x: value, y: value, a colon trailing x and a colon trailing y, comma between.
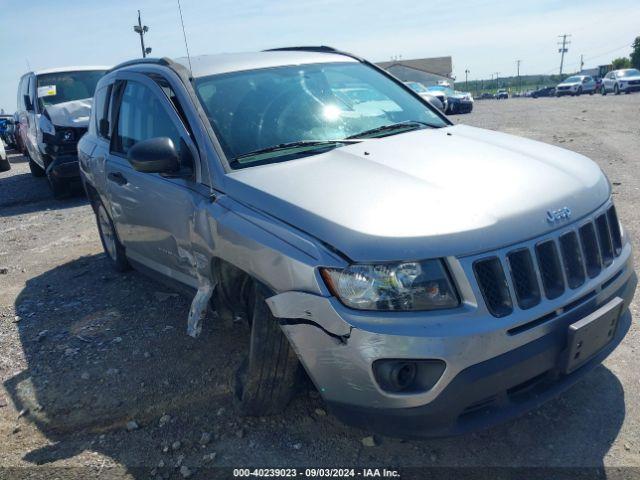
x: 85, y: 351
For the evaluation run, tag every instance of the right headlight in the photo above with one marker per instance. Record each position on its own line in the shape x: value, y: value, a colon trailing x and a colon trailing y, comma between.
x: 400, y: 286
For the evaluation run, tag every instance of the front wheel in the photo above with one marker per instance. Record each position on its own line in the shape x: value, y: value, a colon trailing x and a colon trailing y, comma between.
x: 616, y: 89
x: 267, y: 379
x: 36, y: 170
x: 112, y: 246
x: 603, y: 90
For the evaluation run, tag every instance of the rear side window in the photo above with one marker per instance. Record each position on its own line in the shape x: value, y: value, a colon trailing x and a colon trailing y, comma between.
x: 142, y: 116
x: 101, y: 110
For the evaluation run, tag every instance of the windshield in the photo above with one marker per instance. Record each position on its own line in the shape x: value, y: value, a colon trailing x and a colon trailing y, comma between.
x: 441, y: 88
x: 417, y: 87
x: 572, y: 80
x: 324, y: 103
x: 632, y: 72
x: 54, y: 88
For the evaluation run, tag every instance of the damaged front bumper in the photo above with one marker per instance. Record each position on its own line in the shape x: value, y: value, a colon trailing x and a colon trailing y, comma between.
x: 490, y: 376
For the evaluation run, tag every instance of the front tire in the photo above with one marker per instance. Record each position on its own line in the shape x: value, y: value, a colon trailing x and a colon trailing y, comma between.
x: 59, y: 188
x: 36, y: 170
x: 616, y: 89
x: 603, y: 90
x: 267, y: 379
x: 112, y: 246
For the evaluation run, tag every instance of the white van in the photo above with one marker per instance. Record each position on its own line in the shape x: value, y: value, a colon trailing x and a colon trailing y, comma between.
x: 53, y: 109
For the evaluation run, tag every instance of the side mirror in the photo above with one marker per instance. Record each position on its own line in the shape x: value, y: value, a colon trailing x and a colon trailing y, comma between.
x: 28, y: 105
x: 154, y: 155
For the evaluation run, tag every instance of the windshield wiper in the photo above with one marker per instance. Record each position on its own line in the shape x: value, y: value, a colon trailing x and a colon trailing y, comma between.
x: 291, y: 145
x: 406, y: 126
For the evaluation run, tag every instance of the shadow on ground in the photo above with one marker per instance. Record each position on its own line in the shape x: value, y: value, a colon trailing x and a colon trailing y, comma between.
x: 104, y: 349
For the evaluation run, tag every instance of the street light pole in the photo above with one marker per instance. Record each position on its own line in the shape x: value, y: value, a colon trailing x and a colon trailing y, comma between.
x: 466, y: 79
x: 141, y: 30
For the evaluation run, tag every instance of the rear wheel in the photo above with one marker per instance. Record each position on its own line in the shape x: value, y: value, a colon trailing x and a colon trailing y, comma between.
x: 267, y: 379
x: 112, y: 246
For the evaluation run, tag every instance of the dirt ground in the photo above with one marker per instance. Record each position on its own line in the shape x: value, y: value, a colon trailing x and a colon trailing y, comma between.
x: 84, y: 351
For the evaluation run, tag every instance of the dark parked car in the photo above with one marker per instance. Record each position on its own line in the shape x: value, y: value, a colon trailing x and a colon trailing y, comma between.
x: 544, y: 92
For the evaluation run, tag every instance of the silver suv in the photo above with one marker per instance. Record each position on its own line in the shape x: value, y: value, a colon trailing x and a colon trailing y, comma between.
x: 430, y: 279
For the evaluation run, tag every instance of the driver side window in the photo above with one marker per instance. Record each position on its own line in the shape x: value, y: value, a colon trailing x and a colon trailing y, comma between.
x: 141, y: 117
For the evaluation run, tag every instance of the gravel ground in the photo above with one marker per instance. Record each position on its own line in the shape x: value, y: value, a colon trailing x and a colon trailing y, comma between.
x: 98, y: 378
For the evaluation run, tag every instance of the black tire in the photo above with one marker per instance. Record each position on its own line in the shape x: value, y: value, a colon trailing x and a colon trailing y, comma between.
x: 603, y: 90
x: 616, y: 89
x: 112, y: 247
x: 5, y: 166
x: 579, y: 92
x: 36, y: 170
x: 267, y: 380
x: 59, y: 188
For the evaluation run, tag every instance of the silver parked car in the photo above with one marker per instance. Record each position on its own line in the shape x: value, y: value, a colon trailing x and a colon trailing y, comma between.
x: 430, y: 278
x: 576, y: 85
x: 618, y: 81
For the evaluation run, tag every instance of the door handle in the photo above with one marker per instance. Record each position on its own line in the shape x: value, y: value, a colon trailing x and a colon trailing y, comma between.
x: 118, y: 178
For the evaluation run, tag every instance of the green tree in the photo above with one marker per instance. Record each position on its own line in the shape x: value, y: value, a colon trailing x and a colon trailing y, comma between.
x: 622, y: 62
x: 635, y: 55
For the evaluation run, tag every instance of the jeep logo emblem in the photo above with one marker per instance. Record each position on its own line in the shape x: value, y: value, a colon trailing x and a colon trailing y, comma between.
x: 554, y: 216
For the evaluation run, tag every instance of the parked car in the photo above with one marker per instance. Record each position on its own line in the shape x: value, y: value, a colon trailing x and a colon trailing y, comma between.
x: 456, y: 102
x: 544, y: 92
x: 486, y: 96
x: 384, y: 254
x: 4, y: 161
x: 502, y: 94
x: 618, y: 81
x: 438, y: 101
x: 7, y: 130
x: 53, y: 110
x: 576, y: 85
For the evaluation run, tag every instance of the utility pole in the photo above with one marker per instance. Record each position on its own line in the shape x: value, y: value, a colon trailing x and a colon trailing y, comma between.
x: 563, y: 48
x: 519, y: 82
x: 497, y: 82
x: 581, y: 61
x: 466, y: 79
x: 141, y: 30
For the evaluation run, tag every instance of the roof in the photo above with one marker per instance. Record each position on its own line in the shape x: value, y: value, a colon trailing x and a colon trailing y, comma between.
x: 437, y: 65
x: 204, y: 65
x: 71, y: 69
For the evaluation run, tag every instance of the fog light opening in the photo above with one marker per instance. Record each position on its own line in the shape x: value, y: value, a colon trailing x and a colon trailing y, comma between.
x: 403, y: 375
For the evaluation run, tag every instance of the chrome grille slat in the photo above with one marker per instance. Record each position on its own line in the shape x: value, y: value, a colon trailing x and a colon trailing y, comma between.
x: 526, y: 274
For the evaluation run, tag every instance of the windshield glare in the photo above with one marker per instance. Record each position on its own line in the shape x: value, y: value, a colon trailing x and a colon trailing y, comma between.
x: 54, y: 88
x: 257, y: 109
x: 632, y: 72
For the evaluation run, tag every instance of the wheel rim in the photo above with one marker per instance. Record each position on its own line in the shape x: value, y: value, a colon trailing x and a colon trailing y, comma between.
x: 106, y: 233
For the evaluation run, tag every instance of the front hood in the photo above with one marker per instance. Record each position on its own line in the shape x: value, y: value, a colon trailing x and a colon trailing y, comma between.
x: 629, y: 79
x: 423, y: 194
x: 70, y: 114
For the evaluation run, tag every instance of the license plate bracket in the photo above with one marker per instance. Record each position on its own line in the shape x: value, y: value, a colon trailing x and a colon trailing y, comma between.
x: 588, y: 336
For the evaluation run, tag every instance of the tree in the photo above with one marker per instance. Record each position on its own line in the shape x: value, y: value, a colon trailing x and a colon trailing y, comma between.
x: 635, y: 55
x: 621, y: 62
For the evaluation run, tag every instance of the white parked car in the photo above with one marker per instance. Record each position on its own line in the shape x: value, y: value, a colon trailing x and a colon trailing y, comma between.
x: 617, y: 81
x: 576, y: 85
x: 4, y: 161
x: 437, y: 99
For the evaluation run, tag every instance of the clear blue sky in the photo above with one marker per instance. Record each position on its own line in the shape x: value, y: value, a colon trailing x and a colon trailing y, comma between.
x: 485, y: 36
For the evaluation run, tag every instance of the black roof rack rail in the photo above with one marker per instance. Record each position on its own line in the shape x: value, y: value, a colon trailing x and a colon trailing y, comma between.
x: 153, y: 61
x: 312, y: 48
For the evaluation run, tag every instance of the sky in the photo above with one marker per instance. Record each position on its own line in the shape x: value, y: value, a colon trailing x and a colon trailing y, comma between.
x: 483, y: 36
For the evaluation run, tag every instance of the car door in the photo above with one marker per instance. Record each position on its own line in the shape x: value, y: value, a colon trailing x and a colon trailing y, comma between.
x: 608, y: 82
x: 153, y: 213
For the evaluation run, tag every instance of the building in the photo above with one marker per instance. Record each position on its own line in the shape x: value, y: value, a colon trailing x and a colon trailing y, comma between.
x: 428, y: 71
